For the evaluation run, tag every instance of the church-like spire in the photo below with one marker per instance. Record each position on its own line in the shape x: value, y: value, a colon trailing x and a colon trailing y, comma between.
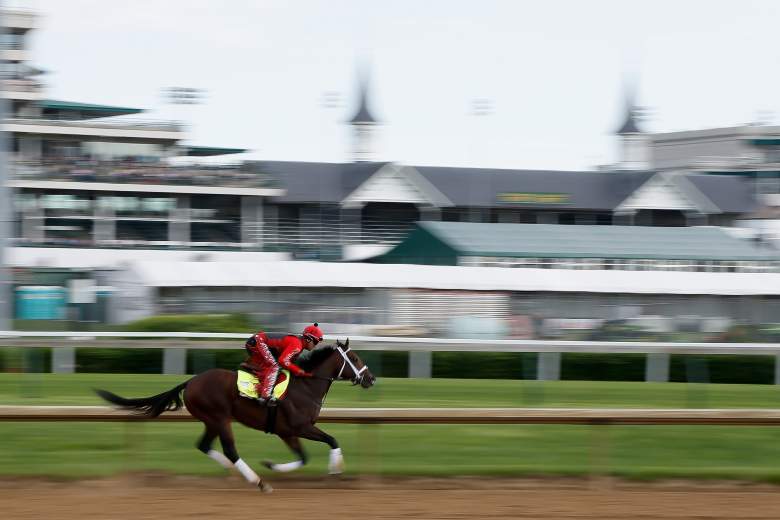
x: 631, y: 118
x: 363, y: 115
x: 634, y: 144
x: 630, y: 125
x: 364, y: 125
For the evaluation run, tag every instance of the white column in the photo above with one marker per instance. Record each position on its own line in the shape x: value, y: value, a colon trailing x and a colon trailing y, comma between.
x: 549, y: 366
x: 657, y: 368
x: 63, y: 360
x: 179, y: 225
x: 420, y: 364
x: 777, y: 369
x: 252, y: 221
x: 175, y: 361
x: 104, y: 226
x: 33, y: 219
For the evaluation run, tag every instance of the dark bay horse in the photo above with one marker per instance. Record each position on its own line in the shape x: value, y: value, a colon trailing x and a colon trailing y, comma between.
x: 212, y: 397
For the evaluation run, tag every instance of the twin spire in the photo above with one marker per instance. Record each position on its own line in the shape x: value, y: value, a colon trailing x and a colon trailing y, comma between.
x: 363, y: 115
x: 632, y: 114
x: 364, y: 125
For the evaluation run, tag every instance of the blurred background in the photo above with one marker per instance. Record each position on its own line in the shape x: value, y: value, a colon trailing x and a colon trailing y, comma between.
x: 485, y: 173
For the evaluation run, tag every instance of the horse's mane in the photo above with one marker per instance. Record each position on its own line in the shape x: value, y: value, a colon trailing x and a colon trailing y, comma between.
x: 311, y: 359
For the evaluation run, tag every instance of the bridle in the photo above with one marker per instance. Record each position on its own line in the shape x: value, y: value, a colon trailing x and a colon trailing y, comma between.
x: 357, y: 377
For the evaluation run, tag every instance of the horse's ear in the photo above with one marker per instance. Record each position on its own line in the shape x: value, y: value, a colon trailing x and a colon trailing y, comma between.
x: 340, y: 344
x: 347, y: 343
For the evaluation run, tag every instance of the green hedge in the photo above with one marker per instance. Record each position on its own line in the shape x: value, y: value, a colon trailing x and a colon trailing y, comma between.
x: 488, y: 365
x: 17, y: 359
x: 201, y: 360
x: 460, y: 365
x: 150, y: 360
x: 386, y: 364
x: 119, y: 361
x: 723, y: 369
x: 603, y: 367
x: 193, y: 323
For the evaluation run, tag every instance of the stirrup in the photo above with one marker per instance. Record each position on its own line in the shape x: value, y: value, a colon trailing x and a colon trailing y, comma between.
x: 272, y: 402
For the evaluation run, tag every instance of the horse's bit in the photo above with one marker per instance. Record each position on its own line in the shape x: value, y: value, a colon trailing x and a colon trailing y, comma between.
x: 358, y: 374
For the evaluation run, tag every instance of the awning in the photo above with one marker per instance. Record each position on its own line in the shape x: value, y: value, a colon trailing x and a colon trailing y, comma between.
x: 208, y: 151
x: 87, y: 109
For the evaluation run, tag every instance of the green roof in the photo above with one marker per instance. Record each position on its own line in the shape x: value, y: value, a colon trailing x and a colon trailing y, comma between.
x: 443, y: 242
x: 206, y: 151
x: 87, y: 108
x: 765, y: 141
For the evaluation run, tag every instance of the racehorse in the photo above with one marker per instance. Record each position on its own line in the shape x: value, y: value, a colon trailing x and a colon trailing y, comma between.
x: 212, y: 397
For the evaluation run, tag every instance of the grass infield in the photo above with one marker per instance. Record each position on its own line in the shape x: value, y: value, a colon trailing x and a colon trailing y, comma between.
x: 76, y: 450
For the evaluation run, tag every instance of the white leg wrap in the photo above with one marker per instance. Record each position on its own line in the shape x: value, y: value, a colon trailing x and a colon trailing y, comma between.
x: 289, y: 466
x: 245, y: 470
x: 336, y: 464
x: 220, y: 458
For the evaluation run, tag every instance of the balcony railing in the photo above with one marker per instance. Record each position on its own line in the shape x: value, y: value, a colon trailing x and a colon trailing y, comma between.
x: 123, y: 124
x: 123, y: 172
x: 303, y: 234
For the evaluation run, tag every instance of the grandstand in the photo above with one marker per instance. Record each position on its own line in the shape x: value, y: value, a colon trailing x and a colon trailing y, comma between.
x: 101, y: 193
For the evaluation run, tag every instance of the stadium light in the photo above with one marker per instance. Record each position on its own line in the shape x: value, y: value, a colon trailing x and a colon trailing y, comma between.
x: 184, y: 95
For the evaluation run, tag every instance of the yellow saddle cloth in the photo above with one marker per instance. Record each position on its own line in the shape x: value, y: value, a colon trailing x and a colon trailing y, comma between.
x: 247, y: 382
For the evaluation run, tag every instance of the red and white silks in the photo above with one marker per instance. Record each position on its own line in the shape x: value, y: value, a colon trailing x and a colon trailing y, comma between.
x: 268, y: 371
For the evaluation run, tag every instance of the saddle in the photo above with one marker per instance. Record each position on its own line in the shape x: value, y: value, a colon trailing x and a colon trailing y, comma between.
x: 247, y: 381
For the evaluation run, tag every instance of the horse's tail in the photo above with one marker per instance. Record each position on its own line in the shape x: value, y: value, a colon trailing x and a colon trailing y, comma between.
x: 148, y: 406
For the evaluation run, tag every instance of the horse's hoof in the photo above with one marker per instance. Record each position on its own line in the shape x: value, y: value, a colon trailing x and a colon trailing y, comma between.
x: 268, y: 464
x: 265, y: 488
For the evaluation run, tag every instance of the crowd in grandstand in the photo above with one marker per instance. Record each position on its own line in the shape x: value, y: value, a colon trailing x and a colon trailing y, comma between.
x: 135, y: 171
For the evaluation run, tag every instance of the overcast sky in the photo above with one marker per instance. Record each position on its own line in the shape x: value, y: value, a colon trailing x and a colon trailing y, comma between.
x: 554, y: 70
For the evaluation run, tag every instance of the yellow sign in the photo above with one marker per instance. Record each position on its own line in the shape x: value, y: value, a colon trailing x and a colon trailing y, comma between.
x: 534, y: 198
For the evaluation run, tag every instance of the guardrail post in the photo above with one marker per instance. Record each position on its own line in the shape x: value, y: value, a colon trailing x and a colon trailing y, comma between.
x: 420, y: 364
x: 63, y: 360
x: 175, y: 361
x: 657, y: 368
x: 549, y: 366
x: 777, y: 369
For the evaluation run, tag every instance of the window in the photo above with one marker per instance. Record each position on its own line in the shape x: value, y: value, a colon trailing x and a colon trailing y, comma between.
x: 11, y: 41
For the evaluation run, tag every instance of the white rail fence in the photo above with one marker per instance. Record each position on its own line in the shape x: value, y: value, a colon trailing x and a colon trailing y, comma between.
x: 176, y: 344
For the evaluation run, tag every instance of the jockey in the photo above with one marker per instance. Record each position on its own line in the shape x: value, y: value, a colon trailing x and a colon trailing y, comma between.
x: 265, y: 350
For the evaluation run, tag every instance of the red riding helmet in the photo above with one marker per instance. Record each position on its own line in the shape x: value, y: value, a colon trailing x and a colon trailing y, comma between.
x: 313, y: 332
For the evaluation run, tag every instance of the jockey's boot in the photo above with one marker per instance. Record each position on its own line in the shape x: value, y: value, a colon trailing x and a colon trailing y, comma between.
x: 272, y: 401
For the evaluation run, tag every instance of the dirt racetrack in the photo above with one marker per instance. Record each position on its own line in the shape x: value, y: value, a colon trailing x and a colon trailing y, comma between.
x: 163, y: 497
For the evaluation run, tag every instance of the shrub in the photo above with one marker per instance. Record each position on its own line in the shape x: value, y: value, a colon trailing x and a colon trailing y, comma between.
x: 118, y: 361
x: 486, y: 365
x: 193, y: 323
x: 603, y: 367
